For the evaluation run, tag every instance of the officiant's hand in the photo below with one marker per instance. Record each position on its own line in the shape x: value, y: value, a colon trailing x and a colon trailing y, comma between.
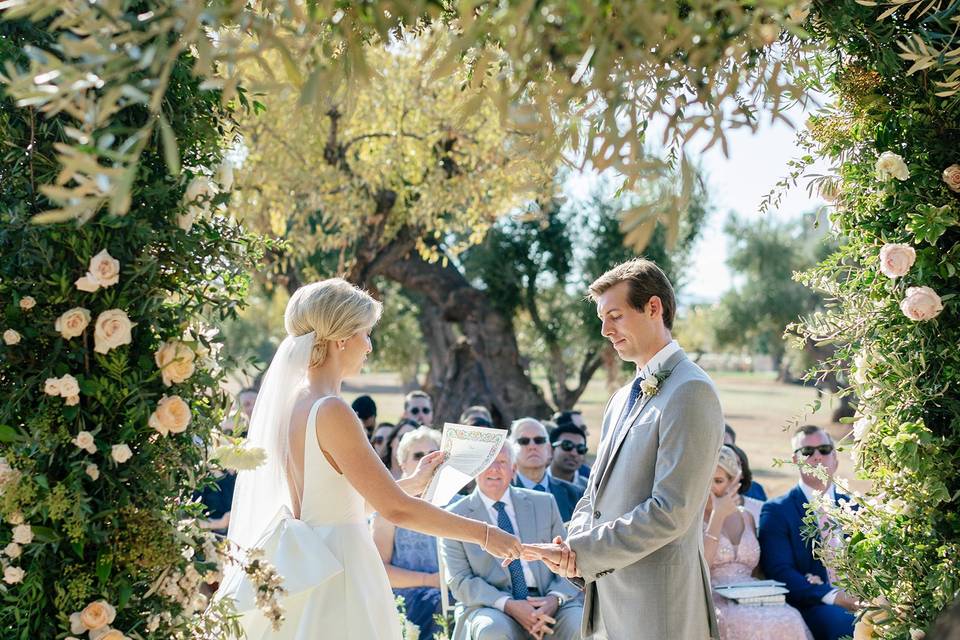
x: 425, y: 469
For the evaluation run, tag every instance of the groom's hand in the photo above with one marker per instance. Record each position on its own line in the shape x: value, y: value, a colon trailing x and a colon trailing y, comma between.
x: 558, y: 557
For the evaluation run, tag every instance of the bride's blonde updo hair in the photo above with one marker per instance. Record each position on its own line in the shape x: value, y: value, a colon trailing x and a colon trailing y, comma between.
x: 334, y: 309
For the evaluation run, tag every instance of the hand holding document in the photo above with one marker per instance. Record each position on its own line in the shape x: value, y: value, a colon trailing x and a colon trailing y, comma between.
x: 469, y: 451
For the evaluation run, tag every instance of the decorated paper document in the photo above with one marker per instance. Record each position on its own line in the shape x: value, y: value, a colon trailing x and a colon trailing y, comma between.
x: 469, y: 451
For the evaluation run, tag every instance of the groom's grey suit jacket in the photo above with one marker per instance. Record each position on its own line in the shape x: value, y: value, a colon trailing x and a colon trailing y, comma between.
x: 637, y: 530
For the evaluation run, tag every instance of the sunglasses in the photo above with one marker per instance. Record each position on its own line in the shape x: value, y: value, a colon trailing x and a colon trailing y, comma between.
x: 566, y: 445
x: 416, y: 410
x: 823, y: 449
x: 536, y: 440
x: 419, y: 455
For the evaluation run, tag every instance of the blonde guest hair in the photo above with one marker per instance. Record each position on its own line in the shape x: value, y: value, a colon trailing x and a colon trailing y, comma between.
x: 411, y: 438
x: 334, y: 309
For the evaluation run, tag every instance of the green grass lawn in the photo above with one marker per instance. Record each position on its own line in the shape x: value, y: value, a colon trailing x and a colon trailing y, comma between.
x: 762, y: 411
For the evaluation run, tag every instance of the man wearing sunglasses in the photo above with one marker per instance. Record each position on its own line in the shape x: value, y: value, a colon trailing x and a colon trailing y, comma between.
x: 534, y: 456
x: 569, y: 444
x: 787, y: 555
x: 418, y: 406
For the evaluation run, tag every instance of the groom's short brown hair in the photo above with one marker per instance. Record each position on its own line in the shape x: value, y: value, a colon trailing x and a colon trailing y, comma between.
x: 646, y: 280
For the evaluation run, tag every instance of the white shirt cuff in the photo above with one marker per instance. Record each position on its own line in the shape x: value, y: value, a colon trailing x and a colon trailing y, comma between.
x: 831, y: 597
x: 501, y: 603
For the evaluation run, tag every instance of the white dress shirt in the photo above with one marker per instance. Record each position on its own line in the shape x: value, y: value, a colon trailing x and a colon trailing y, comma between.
x: 831, y: 493
x: 659, y: 358
x: 494, y: 515
x: 530, y: 484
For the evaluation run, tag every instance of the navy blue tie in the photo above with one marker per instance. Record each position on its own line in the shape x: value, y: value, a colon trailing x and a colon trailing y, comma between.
x: 634, y: 396
x: 539, y: 487
x: 518, y: 584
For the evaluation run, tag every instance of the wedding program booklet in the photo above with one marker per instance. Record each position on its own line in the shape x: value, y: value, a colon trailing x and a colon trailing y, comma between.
x: 469, y: 451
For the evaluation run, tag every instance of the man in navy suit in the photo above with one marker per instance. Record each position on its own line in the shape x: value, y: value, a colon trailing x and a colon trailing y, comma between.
x: 787, y: 556
x: 531, y: 438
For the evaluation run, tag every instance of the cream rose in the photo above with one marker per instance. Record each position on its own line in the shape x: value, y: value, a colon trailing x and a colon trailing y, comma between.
x: 951, y: 175
x: 97, y: 615
x: 11, y: 337
x: 13, y: 575
x: 890, y: 165
x: 921, y: 303
x: 111, y: 330
x: 105, y: 269
x: 172, y: 415
x: 87, y: 283
x: 15, y: 518
x: 69, y: 386
x: 72, y: 401
x: 72, y: 323
x: 860, y: 366
x: 84, y: 440
x: 12, y: 550
x: 27, y: 303
x: 107, y: 634
x: 75, y: 625
x: 22, y: 534
x: 896, y: 259
x: 175, y: 360
x: 51, y: 386
x: 93, y: 471
x: 121, y: 453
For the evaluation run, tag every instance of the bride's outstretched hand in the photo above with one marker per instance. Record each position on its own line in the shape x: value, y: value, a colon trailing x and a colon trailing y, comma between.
x: 502, y: 544
x: 426, y: 468
x: 558, y: 557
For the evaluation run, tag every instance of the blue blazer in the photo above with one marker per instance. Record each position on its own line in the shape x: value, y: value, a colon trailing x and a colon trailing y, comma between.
x: 756, y: 491
x: 784, y: 553
x: 565, y: 493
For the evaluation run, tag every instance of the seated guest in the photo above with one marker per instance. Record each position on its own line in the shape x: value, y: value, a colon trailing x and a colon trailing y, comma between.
x: 476, y: 411
x: 750, y: 504
x: 755, y: 490
x: 786, y: 555
x: 563, y: 418
x: 366, y: 410
x: 418, y: 407
x: 532, y: 460
x: 379, y: 437
x: 389, y: 457
x: 732, y: 551
x: 569, y: 444
x: 525, y: 599
x: 410, y: 557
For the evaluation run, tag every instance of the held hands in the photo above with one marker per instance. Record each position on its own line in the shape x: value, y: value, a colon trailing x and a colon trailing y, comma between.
x: 427, y: 466
x: 558, y: 557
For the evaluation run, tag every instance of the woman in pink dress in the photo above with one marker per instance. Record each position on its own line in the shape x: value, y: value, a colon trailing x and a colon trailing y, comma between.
x: 733, y: 552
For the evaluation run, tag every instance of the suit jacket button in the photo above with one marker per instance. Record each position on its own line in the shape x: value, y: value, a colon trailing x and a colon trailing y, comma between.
x: 596, y: 514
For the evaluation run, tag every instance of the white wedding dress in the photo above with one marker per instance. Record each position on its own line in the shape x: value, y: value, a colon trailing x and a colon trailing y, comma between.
x: 336, y: 584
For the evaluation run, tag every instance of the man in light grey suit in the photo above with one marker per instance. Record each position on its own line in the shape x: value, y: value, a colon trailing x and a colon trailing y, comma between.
x: 524, y: 599
x: 635, y: 539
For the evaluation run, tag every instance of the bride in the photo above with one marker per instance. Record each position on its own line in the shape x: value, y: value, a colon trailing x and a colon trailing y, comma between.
x: 306, y: 507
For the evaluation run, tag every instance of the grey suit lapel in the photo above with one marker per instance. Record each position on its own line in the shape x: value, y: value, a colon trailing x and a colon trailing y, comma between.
x: 669, y: 365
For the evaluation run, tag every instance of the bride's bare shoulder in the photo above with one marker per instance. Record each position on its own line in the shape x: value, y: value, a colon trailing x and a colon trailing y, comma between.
x: 331, y: 409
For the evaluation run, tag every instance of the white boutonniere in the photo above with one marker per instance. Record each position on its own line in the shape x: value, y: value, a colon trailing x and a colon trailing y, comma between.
x: 650, y: 386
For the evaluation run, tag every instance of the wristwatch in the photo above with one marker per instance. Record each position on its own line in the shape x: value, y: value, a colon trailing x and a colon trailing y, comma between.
x: 559, y: 600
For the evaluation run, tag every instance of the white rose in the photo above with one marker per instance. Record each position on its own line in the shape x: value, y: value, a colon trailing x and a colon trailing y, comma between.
x: 175, y: 360
x: 13, y: 575
x: 121, y: 453
x: 12, y: 550
x: 97, y: 615
x: 93, y: 471
x: 896, y: 259
x: 861, y: 428
x: 951, y: 175
x: 649, y: 386
x: 105, y: 269
x: 22, y: 534
x: 51, y: 386
x: 69, y: 386
x: 111, y: 330
x: 860, y: 366
x: 27, y: 303
x: 921, y: 303
x: 890, y: 165
x: 72, y: 323
x: 84, y: 440
x: 87, y: 283
x: 172, y: 415
x: 11, y: 337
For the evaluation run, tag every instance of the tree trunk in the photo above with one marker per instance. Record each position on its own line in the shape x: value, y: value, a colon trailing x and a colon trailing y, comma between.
x: 440, y: 338
x: 483, y: 366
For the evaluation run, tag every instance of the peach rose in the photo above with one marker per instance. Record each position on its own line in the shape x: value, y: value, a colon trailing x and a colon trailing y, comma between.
x: 12, y: 550
x: 11, y: 337
x: 175, y: 360
x: 97, y: 615
x: 896, y: 259
x: 72, y: 323
x: 27, y: 303
x: 69, y: 386
x: 111, y: 330
x: 105, y: 269
x: 921, y: 303
x: 890, y: 165
x: 72, y: 401
x: 107, y: 634
x: 51, y: 386
x: 93, y: 471
x: 951, y: 175
x: 87, y: 283
x: 172, y: 415
x: 13, y: 575
x: 121, y: 453
x: 22, y: 534
x: 84, y: 440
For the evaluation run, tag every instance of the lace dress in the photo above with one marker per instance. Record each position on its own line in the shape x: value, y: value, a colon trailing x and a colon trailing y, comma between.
x: 744, y: 622
x: 418, y: 552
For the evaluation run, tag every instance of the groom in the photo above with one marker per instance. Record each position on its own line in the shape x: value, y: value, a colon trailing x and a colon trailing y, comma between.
x: 635, y: 538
